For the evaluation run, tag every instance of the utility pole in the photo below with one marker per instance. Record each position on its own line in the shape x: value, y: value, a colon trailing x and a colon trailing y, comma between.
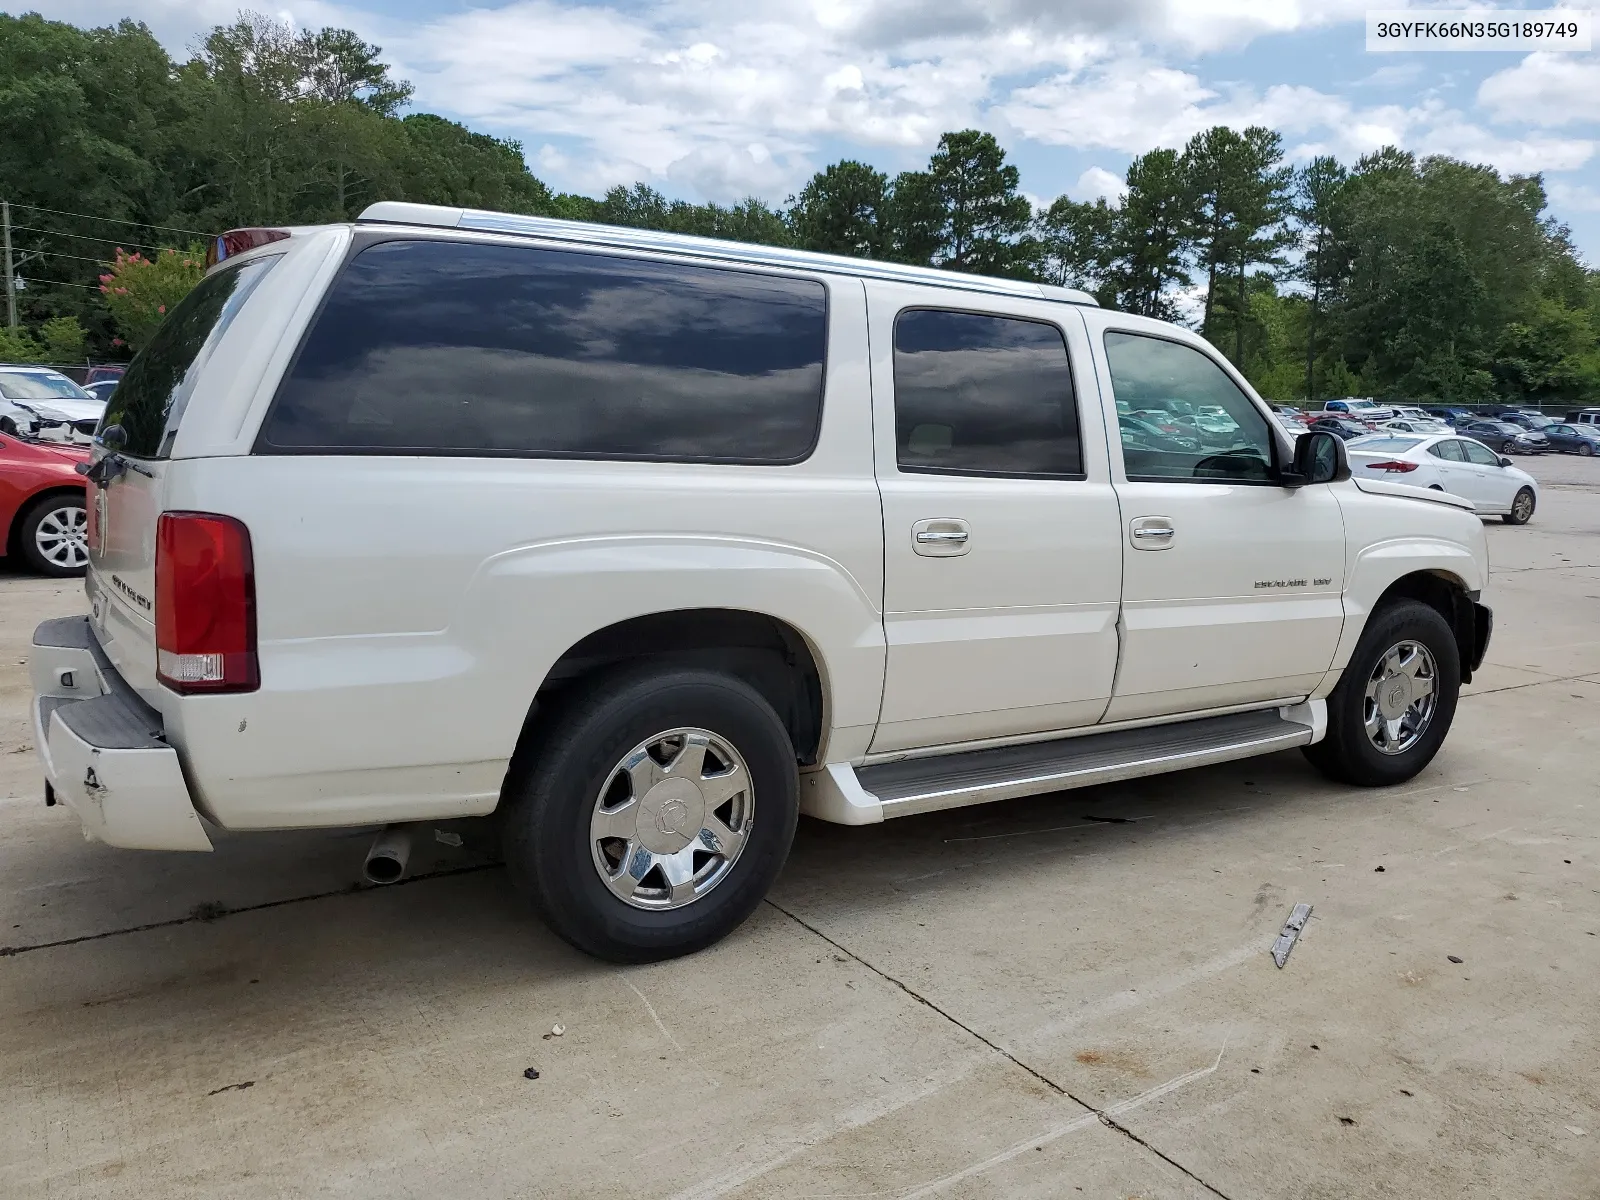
x: 11, y: 274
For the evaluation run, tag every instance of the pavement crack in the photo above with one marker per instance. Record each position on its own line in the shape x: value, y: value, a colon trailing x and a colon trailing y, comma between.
x: 211, y: 911
x: 1105, y: 1118
x: 1511, y: 687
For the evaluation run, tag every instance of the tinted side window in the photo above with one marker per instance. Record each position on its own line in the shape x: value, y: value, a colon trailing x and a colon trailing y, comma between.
x: 1449, y: 450
x: 150, y: 400
x: 983, y: 395
x: 1189, y: 420
x: 1481, y: 455
x: 456, y: 348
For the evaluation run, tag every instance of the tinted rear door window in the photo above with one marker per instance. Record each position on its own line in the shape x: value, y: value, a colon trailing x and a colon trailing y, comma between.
x: 983, y: 395
x: 150, y: 400
x: 437, y: 347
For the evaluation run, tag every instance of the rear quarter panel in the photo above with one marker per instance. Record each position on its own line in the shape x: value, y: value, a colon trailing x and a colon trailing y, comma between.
x: 408, y: 608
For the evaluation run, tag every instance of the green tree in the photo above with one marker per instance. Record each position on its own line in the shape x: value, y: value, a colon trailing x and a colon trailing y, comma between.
x: 1075, y: 243
x: 441, y: 162
x: 916, y: 219
x: 984, y: 221
x: 842, y: 210
x: 63, y: 339
x: 1323, y: 264
x: 1241, y: 195
x: 1152, y: 237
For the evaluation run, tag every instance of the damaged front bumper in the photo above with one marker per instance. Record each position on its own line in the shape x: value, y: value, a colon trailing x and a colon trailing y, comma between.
x: 103, y: 748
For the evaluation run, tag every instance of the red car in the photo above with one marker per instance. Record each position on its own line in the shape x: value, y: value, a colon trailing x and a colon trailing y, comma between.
x: 42, y: 505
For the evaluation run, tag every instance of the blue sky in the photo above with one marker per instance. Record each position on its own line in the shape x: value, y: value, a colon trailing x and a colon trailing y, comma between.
x: 717, y: 99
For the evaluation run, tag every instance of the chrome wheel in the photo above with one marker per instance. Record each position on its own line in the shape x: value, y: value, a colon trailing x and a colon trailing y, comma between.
x: 1401, y: 697
x: 61, y: 537
x: 671, y: 819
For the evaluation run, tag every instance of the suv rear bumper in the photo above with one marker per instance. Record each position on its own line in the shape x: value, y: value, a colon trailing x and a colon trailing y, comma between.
x: 103, y: 749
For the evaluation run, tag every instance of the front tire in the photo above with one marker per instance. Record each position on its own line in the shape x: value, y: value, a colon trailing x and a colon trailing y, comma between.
x: 1586, y: 450
x: 653, y: 813
x: 1393, y: 705
x: 1521, y: 508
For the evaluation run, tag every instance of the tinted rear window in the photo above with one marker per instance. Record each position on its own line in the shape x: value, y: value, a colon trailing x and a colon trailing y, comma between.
x: 150, y: 400
x: 983, y: 395
x: 445, y: 347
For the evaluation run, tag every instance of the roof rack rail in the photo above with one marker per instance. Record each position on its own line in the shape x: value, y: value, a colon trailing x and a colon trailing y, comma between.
x: 395, y: 212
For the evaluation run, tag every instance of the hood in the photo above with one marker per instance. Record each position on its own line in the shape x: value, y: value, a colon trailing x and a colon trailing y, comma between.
x: 64, y: 407
x: 1382, y: 487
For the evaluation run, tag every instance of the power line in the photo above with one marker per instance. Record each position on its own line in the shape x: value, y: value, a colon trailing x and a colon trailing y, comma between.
x: 85, y: 237
x: 114, y: 220
x: 58, y: 254
x: 88, y: 287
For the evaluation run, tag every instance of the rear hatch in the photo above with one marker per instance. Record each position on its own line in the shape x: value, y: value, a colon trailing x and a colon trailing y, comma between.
x: 127, y: 489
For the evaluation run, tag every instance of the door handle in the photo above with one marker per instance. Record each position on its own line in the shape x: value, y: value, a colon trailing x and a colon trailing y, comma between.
x: 1152, y: 533
x: 940, y: 537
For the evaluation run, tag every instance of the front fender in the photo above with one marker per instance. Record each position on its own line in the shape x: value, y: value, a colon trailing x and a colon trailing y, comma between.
x: 1377, y: 568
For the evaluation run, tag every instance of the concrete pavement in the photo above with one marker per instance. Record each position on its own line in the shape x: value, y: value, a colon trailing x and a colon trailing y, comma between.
x: 1023, y: 999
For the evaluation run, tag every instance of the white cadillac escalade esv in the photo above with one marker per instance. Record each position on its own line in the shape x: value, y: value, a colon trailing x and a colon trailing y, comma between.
x: 648, y: 544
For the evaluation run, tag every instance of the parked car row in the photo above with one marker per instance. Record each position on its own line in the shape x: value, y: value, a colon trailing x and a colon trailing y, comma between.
x: 1502, y: 429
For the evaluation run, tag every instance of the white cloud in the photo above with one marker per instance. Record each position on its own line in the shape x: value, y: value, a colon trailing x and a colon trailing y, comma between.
x: 1545, y: 89
x: 1576, y: 197
x: 724, y: 98
x: 1098, y: 182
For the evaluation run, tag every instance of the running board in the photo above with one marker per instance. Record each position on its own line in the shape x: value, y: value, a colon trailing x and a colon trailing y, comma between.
x: 921, y: 785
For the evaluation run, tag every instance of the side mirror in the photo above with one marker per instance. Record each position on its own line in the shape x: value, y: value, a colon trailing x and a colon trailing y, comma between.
x: 1504, y: 461
x: 1319, y: 457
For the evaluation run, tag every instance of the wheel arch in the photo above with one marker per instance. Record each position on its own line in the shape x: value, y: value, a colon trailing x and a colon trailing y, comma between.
x: 767, y: 652
x: 1448, y: 595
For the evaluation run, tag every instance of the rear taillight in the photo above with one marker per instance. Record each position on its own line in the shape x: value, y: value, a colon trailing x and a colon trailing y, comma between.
x: 237, y: 241
x: 1397, y: 464
x: 205, y: 604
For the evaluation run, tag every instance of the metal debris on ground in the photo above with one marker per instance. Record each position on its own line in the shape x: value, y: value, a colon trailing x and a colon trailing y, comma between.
x: 1291, y: 933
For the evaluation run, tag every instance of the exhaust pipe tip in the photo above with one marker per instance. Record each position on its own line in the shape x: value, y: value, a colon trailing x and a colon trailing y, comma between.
x: 386, y: 859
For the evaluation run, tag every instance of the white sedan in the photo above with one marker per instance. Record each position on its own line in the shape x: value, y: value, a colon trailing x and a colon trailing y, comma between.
x: 39, y: 402
x: 1422, y: 425
x: 1449, y: 463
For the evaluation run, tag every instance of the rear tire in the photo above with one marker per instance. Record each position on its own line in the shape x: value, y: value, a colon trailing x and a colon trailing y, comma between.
x: 1350, y: 753
x: 51, y: 535
x: 1521, y: 508
x: 618, y: 897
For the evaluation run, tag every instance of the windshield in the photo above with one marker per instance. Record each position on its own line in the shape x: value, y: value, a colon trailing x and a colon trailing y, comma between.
x: 39, y: 385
